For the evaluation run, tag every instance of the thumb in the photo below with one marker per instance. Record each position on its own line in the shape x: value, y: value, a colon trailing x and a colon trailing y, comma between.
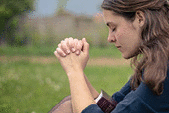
x: 85, y: 46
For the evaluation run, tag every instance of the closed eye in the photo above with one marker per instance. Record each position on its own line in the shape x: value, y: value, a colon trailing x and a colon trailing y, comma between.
x: 111, y: 26
x: 113, y: 29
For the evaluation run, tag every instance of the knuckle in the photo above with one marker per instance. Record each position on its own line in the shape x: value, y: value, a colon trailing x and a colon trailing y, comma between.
x: 59, y: 45
x: 70, y: 38
x: 66, y: 40
x: 62, y: 41
x: 80, y: 43
x: 57, y: 49
x: 76, y: 42
x: 75, y: 39
x: 71, y: 43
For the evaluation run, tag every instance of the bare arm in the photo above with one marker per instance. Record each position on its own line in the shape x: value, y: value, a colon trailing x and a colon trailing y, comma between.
x: 80, y: 93
x: 93, y: 91
x: 80, y: 87
x: 77, y: 45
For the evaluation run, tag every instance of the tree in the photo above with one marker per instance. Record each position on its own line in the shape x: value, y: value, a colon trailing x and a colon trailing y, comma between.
x: 9, y: 10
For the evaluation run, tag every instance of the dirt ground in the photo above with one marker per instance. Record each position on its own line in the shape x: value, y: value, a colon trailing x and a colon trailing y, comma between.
x: 47, y: 60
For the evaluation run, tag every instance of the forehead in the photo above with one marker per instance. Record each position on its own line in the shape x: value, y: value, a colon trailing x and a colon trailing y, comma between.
x: 110, y: 16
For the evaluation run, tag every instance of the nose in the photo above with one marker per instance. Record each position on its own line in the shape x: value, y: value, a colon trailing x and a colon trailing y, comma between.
x: 111, y: 38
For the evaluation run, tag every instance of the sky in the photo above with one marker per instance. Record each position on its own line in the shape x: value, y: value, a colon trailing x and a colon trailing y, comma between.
x: 49, y: 7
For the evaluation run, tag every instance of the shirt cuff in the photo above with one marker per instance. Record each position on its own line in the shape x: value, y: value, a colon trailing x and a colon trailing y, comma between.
x: 99, y: 97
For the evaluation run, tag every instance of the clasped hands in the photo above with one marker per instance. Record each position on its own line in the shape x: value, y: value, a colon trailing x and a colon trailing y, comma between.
x: 73, y: 54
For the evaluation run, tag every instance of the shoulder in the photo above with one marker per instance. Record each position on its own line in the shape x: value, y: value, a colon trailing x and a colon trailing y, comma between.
x: 119, y: 96
x: 132, y: 103
x: 144, y: 100
x: 146, y: 97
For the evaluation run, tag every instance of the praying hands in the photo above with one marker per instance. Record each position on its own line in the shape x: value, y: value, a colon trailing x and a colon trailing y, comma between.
x: 73, y: 55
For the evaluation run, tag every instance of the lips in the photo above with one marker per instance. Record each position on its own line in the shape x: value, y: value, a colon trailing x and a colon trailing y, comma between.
x: 118, y: 46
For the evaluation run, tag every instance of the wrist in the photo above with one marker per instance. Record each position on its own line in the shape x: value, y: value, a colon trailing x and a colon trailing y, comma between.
x: 73, y: 69
x: 75, y: 73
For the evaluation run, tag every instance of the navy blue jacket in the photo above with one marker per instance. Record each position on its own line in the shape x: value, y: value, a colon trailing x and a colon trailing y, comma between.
x: 142, y: 100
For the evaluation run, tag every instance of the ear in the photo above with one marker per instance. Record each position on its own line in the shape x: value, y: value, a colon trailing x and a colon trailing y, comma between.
x: 140, y: 18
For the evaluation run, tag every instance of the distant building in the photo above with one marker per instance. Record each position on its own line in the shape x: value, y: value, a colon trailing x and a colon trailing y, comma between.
x: 65, y: 24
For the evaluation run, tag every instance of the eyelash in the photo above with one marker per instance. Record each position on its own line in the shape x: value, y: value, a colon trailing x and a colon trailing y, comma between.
x: 113, y: 29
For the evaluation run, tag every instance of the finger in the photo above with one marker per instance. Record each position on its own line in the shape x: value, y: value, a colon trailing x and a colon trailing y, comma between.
x: 79, y: 47
x: 67, y: 43
x: 60, y: 52
x: 64, y: 47
x: 71, y: 44
x: 59, y: 45
x: 86, y: 46
x: 56, y: 54
x: 75, y: 44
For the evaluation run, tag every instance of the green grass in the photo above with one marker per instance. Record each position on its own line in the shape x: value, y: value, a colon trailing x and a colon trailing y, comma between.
x: 48, y: 51
x: 26, y: 51
x: 34, y: 87
x: 110, y: 52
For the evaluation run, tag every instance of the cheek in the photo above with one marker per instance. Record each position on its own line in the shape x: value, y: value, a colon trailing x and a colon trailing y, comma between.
x: 121, y: 36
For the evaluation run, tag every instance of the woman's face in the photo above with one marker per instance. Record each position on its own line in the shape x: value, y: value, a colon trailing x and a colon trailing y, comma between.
x: 125, y: 34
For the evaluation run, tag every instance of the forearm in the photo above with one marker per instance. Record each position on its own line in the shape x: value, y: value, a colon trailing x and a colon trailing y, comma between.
x: 80, y: 93
x: 93, y: 91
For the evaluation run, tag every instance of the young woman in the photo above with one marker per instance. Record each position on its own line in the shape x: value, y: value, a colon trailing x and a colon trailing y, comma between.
x: 140, y: 30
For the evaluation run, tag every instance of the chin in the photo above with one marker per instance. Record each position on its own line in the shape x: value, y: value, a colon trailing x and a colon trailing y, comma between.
x: 127, y: 56
x: 131, y: 54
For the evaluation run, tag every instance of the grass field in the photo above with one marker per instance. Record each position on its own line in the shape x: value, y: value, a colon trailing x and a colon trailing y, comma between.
x: 48, y: 51
x: 32, y: 87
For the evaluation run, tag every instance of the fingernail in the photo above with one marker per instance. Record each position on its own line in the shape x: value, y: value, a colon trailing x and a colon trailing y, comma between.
x: 64, y: 54
x: 77, y: 52
x: 68, y: 51
x: 73, y: 49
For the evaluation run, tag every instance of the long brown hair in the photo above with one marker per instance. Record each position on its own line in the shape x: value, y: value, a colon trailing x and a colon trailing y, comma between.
x: 154, y: 50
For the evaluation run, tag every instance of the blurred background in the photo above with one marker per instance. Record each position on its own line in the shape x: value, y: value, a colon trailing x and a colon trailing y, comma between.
x: 31, y: 78
x: 46, y: 23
